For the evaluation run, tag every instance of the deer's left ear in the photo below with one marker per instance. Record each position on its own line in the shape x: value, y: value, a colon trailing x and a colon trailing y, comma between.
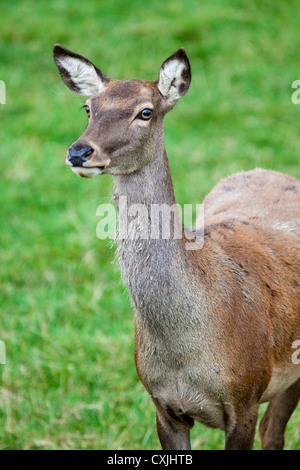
x: 78, y: 73
x: 175, y: 76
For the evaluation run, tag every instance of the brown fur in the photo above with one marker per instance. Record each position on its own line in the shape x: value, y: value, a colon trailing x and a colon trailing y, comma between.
x: 213, y: 327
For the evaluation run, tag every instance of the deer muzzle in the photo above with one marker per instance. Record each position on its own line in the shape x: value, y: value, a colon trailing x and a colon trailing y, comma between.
x: 84, y: 161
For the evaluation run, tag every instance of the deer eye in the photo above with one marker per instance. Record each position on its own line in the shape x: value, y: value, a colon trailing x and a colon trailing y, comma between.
x: 145, y: 115
x: 87, y: 109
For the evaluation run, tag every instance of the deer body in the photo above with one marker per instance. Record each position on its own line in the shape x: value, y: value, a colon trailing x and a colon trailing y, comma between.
x: 214, y: 327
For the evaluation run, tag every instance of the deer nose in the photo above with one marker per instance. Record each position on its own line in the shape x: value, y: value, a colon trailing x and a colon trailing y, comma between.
x: 79, y: 156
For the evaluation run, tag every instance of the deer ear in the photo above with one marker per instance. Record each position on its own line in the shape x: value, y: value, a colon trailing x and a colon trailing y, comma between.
x: 175, y: 76
x: 78, y: 73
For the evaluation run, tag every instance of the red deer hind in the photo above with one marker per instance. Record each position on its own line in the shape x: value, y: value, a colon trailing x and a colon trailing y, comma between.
x: 214, y: 327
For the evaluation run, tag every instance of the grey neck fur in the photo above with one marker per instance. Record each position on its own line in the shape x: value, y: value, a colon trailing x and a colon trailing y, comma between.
x: 152, y: 184
x: 156, y: 271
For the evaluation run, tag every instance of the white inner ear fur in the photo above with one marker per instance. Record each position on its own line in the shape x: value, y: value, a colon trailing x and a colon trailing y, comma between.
x: 83, y: 75
x: 170, y: 78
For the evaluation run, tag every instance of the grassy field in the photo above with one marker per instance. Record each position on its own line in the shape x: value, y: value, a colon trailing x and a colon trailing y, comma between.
x: 69, y: 381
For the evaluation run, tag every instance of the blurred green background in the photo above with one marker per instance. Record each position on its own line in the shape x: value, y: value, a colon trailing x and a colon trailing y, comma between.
x: 69, y: 381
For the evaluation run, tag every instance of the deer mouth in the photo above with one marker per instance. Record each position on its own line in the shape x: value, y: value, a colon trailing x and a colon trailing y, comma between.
x: 87, y: 172
x: 101, y: 167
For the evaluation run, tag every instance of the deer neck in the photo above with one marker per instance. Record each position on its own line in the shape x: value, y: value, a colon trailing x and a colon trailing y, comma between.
x: 137, y: 194
x: 152, y: 184
x: 153, y: 269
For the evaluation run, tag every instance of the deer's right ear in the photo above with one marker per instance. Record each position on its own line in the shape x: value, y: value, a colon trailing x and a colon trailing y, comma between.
x: 78, y: 73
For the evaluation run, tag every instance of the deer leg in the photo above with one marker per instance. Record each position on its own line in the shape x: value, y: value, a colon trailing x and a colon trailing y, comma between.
x: 172, y: 437
x: 279, y: 411
x: 240, y: 429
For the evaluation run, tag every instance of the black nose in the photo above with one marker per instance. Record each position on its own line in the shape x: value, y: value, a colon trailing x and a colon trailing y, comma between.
x: 79, y: 156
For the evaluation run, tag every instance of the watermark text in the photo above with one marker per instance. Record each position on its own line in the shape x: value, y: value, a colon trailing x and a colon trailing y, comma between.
x: 151, y: 222
x: 2, y: 353
x: 296, y: 354
x: 296, y: 95
x: 2, y: 92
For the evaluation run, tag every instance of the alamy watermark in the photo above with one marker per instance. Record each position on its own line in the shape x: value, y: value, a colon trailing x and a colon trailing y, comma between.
x: 151, y: 222
x: 2, y: 353
x: 296, y: 354
x: 295, y: 96
x: 2, y: 92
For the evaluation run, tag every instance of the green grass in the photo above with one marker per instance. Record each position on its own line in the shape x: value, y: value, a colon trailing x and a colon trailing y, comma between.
x: 67, y: 322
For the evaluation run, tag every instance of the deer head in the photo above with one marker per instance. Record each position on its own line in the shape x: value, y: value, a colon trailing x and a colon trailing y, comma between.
x: 125, y: 116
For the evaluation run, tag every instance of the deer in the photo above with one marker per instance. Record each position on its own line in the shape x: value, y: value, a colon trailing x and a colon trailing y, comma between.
x: 214, y: 326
